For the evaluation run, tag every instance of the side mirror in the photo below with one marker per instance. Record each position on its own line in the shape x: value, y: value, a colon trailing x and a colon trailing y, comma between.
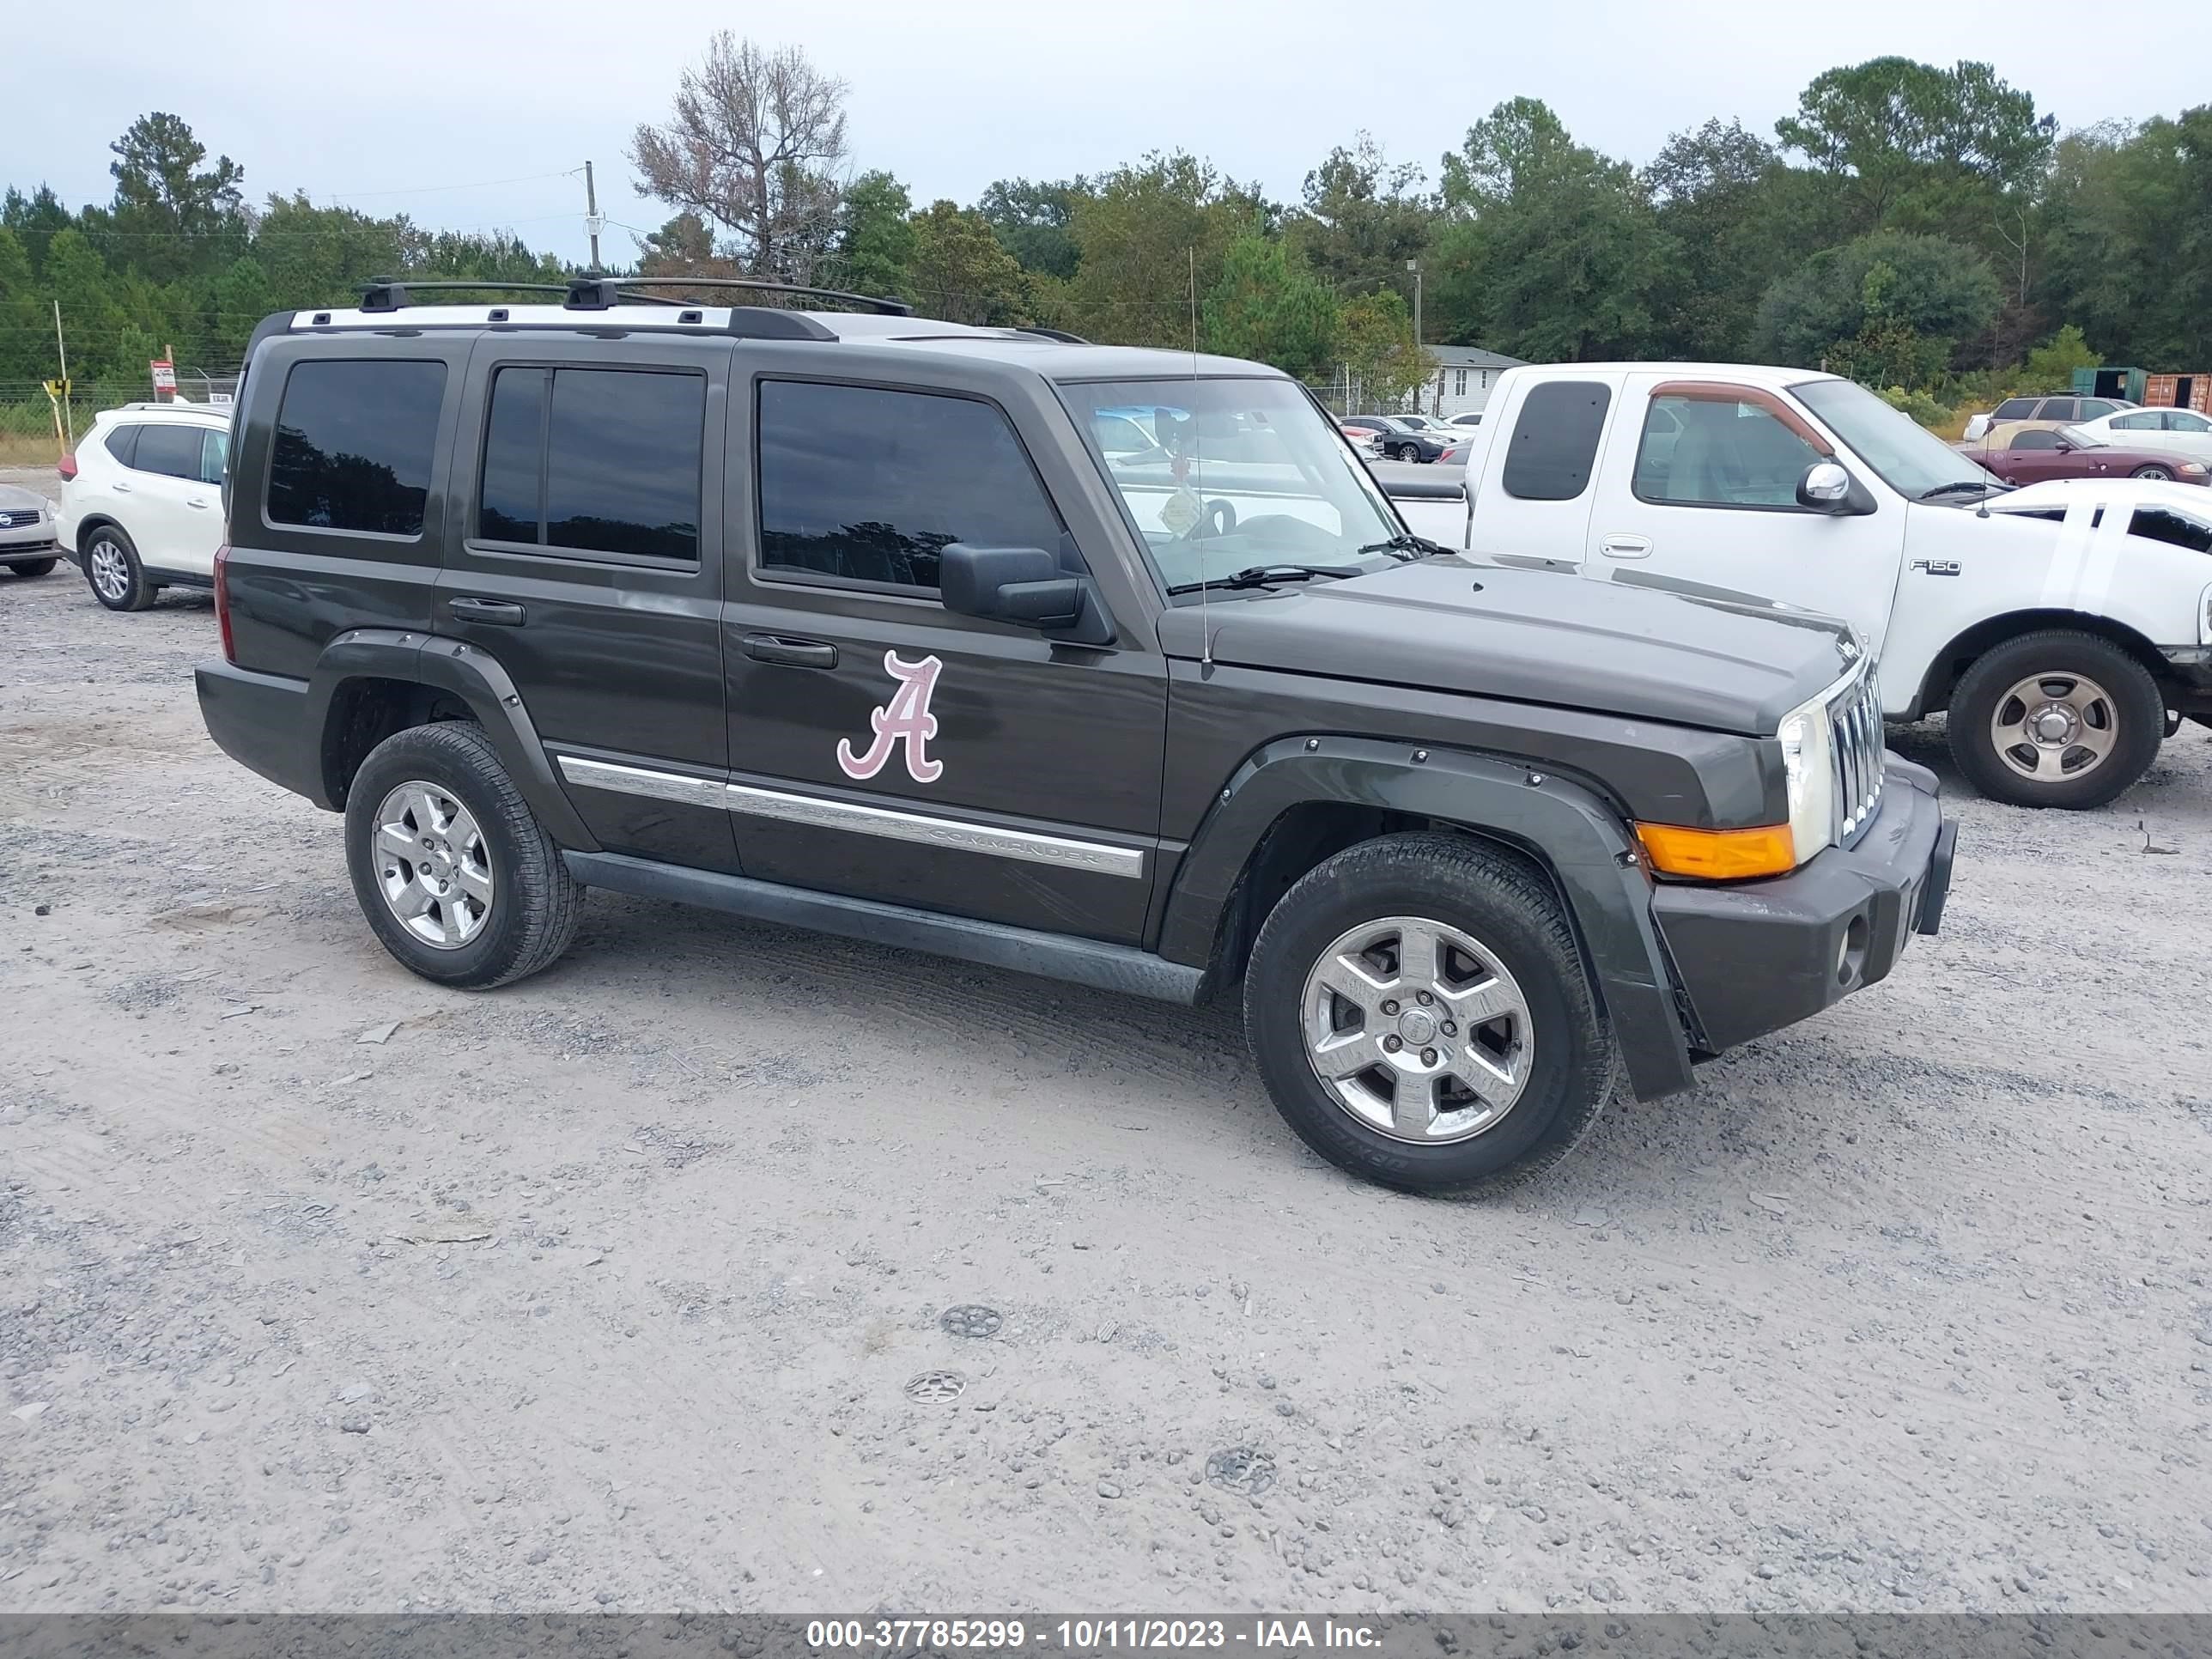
x: 1023, y: 584
x: 1826, y: 488
x: 2064, y: 448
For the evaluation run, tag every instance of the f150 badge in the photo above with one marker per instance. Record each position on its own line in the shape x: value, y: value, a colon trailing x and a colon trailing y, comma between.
x: 904, y: 721
x: 1938, y: 567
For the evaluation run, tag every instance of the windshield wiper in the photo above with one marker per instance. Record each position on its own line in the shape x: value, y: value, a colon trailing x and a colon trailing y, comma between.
x: 1408, y: 547
x: 1259, y: 575
x: 1955, y: 487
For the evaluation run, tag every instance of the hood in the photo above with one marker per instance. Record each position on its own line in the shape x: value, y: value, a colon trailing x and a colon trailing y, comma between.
x: 1704, y: 658
x: 14, y: 500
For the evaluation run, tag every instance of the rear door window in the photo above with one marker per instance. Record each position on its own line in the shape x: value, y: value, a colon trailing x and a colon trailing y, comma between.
x: 2014, y: 408
x: 2059, y: 408
x: 354, y: 445
x: 1554, y: 442
x: 173, y: 451
x: 595, y: 461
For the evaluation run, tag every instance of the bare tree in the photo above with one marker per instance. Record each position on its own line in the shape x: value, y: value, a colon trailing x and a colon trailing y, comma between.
x: 753, y: 143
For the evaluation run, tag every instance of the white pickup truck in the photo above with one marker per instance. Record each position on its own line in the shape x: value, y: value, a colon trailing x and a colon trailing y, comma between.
x: 2066, y: 627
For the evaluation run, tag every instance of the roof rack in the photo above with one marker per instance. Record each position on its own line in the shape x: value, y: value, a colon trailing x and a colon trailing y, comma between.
x: 1044, y: 333
x: 607, y: 289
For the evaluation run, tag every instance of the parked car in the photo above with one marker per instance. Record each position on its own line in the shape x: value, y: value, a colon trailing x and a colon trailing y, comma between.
x: 26, y: 531
x: 2033, y: 454
x: 1456, y: 837
x: 142, y: 500
x: 2179, y: 432
x: 1813, y: 491
x: 1400, y: 440
x: 1995, y: 429
x: 1365, y: 440
x: 1473, y: 419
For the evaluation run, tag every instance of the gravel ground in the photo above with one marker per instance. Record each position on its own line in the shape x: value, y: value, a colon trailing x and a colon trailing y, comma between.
x: 321, y: 1288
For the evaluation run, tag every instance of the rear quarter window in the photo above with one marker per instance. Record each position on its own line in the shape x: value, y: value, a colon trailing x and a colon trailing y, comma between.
x: 1554, y: 443
x: 354, y: 445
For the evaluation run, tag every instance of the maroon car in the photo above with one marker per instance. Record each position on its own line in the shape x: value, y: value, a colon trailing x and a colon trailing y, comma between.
x: 2032, y: 456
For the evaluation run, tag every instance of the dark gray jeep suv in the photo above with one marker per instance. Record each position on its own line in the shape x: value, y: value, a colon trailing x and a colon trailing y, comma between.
x: 1104, y: 663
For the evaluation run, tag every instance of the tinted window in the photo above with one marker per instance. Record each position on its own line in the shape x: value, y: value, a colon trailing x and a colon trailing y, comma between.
x: 2059, y: 408
x: 2161, y: 524
x: 623, y: 474
x: 354, y: 443
x: 2181, y: 420
x: 1555, y: 441
x: 868, y: 485
x: 122, y: 442
x: 215, y: 456
x: 2145, y: 420
x: 511, y: 509
x: 172, y: 450
x: 2014, y: 408
x: 596, y: 460
x: 2037, y: 439
x: 2095, y: 408
x: 1704, y: 453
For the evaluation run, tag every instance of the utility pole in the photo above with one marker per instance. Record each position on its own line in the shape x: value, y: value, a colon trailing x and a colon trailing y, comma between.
x: 592, y: 221
x: 68, y: 421
x: 1414, y: 265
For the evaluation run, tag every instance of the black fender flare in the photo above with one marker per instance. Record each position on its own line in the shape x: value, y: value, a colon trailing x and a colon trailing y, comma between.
x: 473, y: 676
x: 1566, y: 827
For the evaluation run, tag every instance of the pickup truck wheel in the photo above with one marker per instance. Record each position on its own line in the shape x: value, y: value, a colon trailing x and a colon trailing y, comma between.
x: 2056, y: 718
x: 454, y: 872
x: 1420, y: 1015
x: 34, y: 567
x: 111, y: 570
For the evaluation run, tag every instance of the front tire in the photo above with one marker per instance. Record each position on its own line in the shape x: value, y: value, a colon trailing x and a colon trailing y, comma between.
x: 1419, y: 1014
x: 113, y: 571
x: 2155, y: 473
x: 2057, y: 718
x: 28, y: 568
x: 454, y: 872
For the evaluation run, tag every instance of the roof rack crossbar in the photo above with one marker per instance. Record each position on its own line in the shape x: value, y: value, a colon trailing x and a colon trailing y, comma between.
x: 1042, y: 333
x: 629, y: 285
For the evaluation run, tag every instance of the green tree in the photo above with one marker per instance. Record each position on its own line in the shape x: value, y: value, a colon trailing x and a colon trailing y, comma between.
x: 961, y: 272
x: 876, y: 237
x: 1035, y: 221
x: 2129, y: 238
x: 1150, y: 239
x: 171, y: 216
x: 1362, y: 217
x: 684, y: 246
x: 1375, y: 343
x: 35, y: 219
x: 2052, y: 363
x: 1552, y: 251
x: 26, y: 344
x: 1888, y: 307
x: 1267, y: 307
x: 319, y: 256
x: 1738, y: 218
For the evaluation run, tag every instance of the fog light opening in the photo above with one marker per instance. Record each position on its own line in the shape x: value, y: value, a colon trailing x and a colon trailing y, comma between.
x: 1850, y: 959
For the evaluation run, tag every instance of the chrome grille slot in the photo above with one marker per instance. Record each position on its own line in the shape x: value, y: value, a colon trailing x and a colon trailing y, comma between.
x: 1855, y: 717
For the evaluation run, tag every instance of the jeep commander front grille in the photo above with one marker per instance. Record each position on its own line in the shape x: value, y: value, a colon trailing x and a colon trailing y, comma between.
x: 1856, y: 716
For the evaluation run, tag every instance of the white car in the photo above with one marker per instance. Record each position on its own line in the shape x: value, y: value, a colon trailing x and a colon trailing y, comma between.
x: 26, y: 532
x: 2180, y: 432
x: 142, y: 500
x: 2066, y: 628
x: 1474, y: 419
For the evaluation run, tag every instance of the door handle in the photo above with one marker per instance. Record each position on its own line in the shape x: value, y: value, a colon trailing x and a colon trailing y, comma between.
x: 121, y: 489
x: 196, y: 503
x: 501, y: 613
x: 1625, y: 547
x: 792, y: 653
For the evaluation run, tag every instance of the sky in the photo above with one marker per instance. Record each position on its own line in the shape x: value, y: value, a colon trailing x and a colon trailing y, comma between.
x: 479, y: 114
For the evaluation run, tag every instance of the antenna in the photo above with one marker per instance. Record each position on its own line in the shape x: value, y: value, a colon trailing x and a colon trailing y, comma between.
x: 1197, y: 467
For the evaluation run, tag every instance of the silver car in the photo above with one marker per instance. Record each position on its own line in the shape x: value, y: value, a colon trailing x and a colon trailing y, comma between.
x: 26, y: 531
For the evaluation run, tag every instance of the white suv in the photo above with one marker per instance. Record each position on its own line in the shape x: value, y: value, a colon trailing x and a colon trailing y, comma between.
x: 142, y: 500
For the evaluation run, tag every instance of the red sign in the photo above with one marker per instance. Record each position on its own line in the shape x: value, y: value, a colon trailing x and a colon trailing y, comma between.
x: 165, y: 376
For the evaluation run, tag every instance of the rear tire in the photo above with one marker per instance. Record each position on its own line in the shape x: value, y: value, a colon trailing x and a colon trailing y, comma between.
x: 28, y: 567
x: 526, y: 904
x: 1422, y: 927
x: 1408, y: 452
x: 113, y: 571
x: 2106, y: 718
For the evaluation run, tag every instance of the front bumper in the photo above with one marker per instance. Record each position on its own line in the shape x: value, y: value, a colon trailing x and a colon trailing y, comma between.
x: 30, y: 541
x: 1754, y: 957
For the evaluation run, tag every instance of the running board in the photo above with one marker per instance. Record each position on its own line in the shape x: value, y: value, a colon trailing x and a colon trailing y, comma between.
x: 1021, y: 949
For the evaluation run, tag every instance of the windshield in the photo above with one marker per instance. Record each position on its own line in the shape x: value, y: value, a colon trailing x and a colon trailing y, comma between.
x: 1233, y: 474
x: 1909, y: 458
x: 2082, y: 437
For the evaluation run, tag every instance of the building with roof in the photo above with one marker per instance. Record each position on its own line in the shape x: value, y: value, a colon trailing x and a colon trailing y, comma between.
x: 1460, y: 380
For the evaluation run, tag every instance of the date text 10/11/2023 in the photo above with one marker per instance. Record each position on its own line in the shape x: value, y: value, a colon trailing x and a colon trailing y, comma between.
x: 1088, y: 1635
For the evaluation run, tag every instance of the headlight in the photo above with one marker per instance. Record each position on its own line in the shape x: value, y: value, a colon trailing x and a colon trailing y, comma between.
x: 1808, y: 754
x: 2190, y: 469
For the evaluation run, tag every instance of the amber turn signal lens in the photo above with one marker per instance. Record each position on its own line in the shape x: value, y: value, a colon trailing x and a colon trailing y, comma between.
x: 1719, y: 854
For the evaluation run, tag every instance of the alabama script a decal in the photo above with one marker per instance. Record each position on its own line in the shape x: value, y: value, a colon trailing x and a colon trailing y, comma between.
x: 904, y: 721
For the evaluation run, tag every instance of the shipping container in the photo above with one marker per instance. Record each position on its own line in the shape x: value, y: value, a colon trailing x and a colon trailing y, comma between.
x: 2125, y: 384
x: 2179, y: 391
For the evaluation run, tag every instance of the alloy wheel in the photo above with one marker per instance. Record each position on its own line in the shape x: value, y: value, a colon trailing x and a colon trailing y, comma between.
x: 433, y: 867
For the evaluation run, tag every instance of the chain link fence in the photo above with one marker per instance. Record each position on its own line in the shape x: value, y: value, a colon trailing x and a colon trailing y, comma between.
x: 28, y: 414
